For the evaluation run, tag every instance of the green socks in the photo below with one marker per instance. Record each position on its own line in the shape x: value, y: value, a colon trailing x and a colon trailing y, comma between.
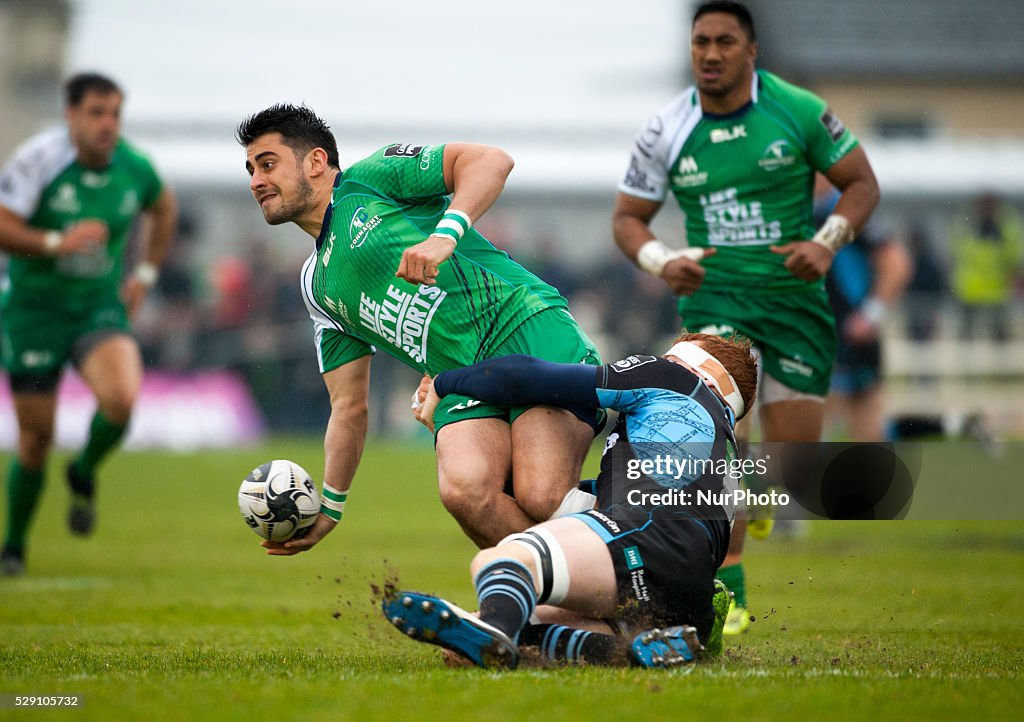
x: 23, y: 491
x: 103, y: 437
x: 734, y: 578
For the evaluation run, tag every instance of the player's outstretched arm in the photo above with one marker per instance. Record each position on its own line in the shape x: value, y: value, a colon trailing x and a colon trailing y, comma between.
x: 519, y: 379
x: 349, y: 387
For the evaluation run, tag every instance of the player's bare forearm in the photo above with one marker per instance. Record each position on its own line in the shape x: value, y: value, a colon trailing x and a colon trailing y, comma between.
x: 893, y: 270
x: 343, y: 447
x: 475, y: 175
x: 161, y: 225
x: 856, y: 181
x: 631, y: 223
x: 18, y: 238
x: 344, y: 438
x: 349, y: 389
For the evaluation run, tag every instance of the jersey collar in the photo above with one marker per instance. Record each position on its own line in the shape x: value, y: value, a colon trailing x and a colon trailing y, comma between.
x: 755, y: 83
x: 325, y: 227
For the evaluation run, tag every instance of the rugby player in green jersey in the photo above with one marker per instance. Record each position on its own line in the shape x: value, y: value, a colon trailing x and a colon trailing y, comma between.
x: 738, y: 151
x: 68, y: 201
x: 397, y: 265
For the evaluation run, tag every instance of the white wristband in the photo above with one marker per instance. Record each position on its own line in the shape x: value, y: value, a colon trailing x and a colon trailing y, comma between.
x: 52, y: 241
x: 653, y: 255
x: 453, y: 225
x: 835, y: 233
x: 147, y: 274
x: 873, y: 309
x: 332, y: 502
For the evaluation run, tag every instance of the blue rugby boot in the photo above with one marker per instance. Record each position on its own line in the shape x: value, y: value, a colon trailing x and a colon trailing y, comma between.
x: 666, y: 648
x: 431, y: 619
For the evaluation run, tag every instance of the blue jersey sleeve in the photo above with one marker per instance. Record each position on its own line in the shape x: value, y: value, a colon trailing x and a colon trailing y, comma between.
x: 521, y: 379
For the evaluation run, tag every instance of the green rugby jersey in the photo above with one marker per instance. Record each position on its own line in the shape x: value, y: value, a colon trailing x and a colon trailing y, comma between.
x: 44, y: 184
x: 745, y: 180
x: 381, y: 206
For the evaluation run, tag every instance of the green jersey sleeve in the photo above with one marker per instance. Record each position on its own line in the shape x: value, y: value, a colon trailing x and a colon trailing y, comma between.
x: 335, y: 345
x: 148, y: 181
x: 402, y: 171
x: 828, y: 139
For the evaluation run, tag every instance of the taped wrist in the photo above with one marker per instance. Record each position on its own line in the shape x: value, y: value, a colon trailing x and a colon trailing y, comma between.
x: 147, y: 273
x: 653, y: 255
x: 835, y: 233
x: 51, y: 242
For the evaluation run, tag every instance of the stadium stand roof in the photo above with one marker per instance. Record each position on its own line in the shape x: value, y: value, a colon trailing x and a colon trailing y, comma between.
x: 978, y: 40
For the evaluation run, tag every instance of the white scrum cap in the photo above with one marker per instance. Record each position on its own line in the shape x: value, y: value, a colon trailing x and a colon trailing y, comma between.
x: 712, y: 372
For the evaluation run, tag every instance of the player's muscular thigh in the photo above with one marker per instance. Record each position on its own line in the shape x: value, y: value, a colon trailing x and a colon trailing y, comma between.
x: 549, y: 445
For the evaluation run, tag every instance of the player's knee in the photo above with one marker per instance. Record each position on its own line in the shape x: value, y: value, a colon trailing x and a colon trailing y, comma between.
x: 503, y: 551
x: 540, y: 498
x: 116, y: 407
x: 463, y: 494
x: 34, y: 442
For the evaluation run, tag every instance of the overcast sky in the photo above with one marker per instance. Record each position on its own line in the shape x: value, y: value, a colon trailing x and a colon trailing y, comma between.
x: 593, y: 64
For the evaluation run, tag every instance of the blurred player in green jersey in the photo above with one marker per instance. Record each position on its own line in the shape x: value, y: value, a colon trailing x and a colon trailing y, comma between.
x: 68, y: 200
x: 738, y: 151
x: 397, y: 265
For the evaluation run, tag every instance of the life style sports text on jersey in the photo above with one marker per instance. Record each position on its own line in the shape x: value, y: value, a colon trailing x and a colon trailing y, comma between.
x: 742, y: 180
x: 381, y: 206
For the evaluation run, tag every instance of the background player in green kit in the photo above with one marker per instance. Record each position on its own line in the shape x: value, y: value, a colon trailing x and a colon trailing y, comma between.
x: 68, y: 200
x: 739, y: 151
x: 397, y: 265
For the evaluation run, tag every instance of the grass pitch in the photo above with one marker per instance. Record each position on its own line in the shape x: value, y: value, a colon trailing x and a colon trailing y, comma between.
x: 172, y: 612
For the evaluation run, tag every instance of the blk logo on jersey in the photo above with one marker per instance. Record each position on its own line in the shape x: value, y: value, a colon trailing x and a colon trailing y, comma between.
x: 723, y: 135
x: 402, y: 150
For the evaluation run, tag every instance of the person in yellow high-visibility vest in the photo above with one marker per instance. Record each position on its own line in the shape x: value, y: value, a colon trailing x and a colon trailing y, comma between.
x: 987, y: 242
